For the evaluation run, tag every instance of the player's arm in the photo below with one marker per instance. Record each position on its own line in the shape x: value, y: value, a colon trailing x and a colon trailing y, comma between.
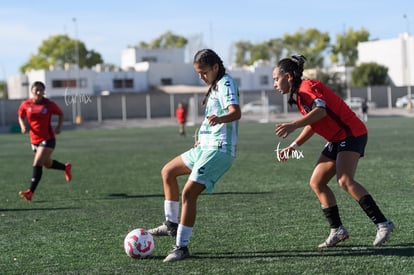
x: 22, y: 125
x: 304, y: 136
x: 284, y: 129
x: 59, y: 123
x: 233, y: 114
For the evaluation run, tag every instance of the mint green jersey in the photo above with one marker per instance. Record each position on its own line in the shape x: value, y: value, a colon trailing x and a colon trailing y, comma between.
x: 222, y: 137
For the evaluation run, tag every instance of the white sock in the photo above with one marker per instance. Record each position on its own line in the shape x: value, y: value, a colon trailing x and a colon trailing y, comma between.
x: 183, y: 235
x: 171, y: 209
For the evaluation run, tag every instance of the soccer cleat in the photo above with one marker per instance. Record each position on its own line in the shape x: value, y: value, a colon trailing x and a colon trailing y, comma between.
x: 177, y: 254
x: 27, y: 195
x: 337, y: 235
x: 166, y: 229
x: 67, y: 172
x: 384, y: 230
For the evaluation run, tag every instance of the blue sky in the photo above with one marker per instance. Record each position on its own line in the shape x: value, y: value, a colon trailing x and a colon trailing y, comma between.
x: 108, y: 26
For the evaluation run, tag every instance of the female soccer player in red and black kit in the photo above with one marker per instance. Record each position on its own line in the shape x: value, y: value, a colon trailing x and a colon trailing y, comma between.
x: 326, y: 114
x: 39, y: 110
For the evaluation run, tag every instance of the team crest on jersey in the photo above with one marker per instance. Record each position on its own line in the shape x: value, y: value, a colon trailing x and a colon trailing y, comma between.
x: 44, y: 111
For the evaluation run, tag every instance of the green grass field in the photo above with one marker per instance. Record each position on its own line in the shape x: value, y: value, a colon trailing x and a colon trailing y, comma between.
x: 262, y: 218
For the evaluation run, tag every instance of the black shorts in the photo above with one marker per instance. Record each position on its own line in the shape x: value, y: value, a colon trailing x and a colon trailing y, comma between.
x: 50, y: 143
x: 353, y: 144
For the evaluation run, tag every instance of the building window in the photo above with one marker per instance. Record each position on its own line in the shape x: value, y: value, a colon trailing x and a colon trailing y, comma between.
x: 264, y: 80
x: 123, y: 83
x: 166, y: 81
x: 129, y: 83
x: 117, y: 83
x: 69, y: 83
x: 149, y: 59
x: 64, y: 83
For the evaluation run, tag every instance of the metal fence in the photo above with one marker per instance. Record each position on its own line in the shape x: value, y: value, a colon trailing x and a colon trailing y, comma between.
x: 80, y: 108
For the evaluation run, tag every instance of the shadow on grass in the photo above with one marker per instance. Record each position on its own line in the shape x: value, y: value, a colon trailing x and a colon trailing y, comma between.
x: 127, y: 196
x: 406, y: 250
x: 38, y: 209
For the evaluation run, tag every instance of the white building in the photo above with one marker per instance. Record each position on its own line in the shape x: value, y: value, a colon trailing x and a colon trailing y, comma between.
x: 132, y: 56
x: 255, y: 77
x: 77, y: 82
x: 396, y: 54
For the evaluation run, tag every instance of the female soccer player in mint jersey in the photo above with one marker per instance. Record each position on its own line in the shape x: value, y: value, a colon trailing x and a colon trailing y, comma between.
x: 211, y: 157
x: 326, y: 114
x: 39, y: 110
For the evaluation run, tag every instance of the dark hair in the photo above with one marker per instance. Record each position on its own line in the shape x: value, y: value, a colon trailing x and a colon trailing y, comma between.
x: 38, y: 84
x: 207, y: 57
x: 294, y: 66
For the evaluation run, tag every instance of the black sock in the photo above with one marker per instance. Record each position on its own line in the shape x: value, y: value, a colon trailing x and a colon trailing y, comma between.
x: 37, y: 175
x: 373, y: 212
x: 57, y: 165
x: 332, y: 215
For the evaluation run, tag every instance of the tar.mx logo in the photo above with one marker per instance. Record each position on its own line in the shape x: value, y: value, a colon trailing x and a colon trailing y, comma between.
x: 286, y: 153
x: 76, y: 98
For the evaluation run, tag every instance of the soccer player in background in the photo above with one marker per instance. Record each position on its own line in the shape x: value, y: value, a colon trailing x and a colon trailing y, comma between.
x: 181, y: 115
x: 326, y: 114
x: 39, y: 110
x: 211, y: 156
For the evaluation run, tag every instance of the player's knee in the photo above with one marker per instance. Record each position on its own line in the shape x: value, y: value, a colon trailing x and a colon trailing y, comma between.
x: 165, y: 172
x: 345, y: 182
x: 315, y: 185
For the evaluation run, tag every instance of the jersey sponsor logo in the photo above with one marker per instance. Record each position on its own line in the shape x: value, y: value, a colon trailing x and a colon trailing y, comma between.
x: 227, y: 83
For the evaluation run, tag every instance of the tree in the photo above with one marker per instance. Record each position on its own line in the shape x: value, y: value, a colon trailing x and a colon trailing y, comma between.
x: 59, y: 50
x: 332, y: 80
x: 369, y: 74
x: 275, y: 47
x: 3, y: 90
x: 242, y: 51
x: 311, y: 43
x: 345, y: 47
x: 259, y: 52
x: 165, y: 41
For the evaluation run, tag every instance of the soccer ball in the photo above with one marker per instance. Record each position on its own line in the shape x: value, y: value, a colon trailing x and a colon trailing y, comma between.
x: 139, y: 243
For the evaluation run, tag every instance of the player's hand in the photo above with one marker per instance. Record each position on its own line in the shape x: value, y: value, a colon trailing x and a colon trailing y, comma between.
x: 213, y: 120
x: 24, y: 130
x: 57, y: 130
x: 285, y: 153
x: 285, y: 129
x: 196, y: 143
